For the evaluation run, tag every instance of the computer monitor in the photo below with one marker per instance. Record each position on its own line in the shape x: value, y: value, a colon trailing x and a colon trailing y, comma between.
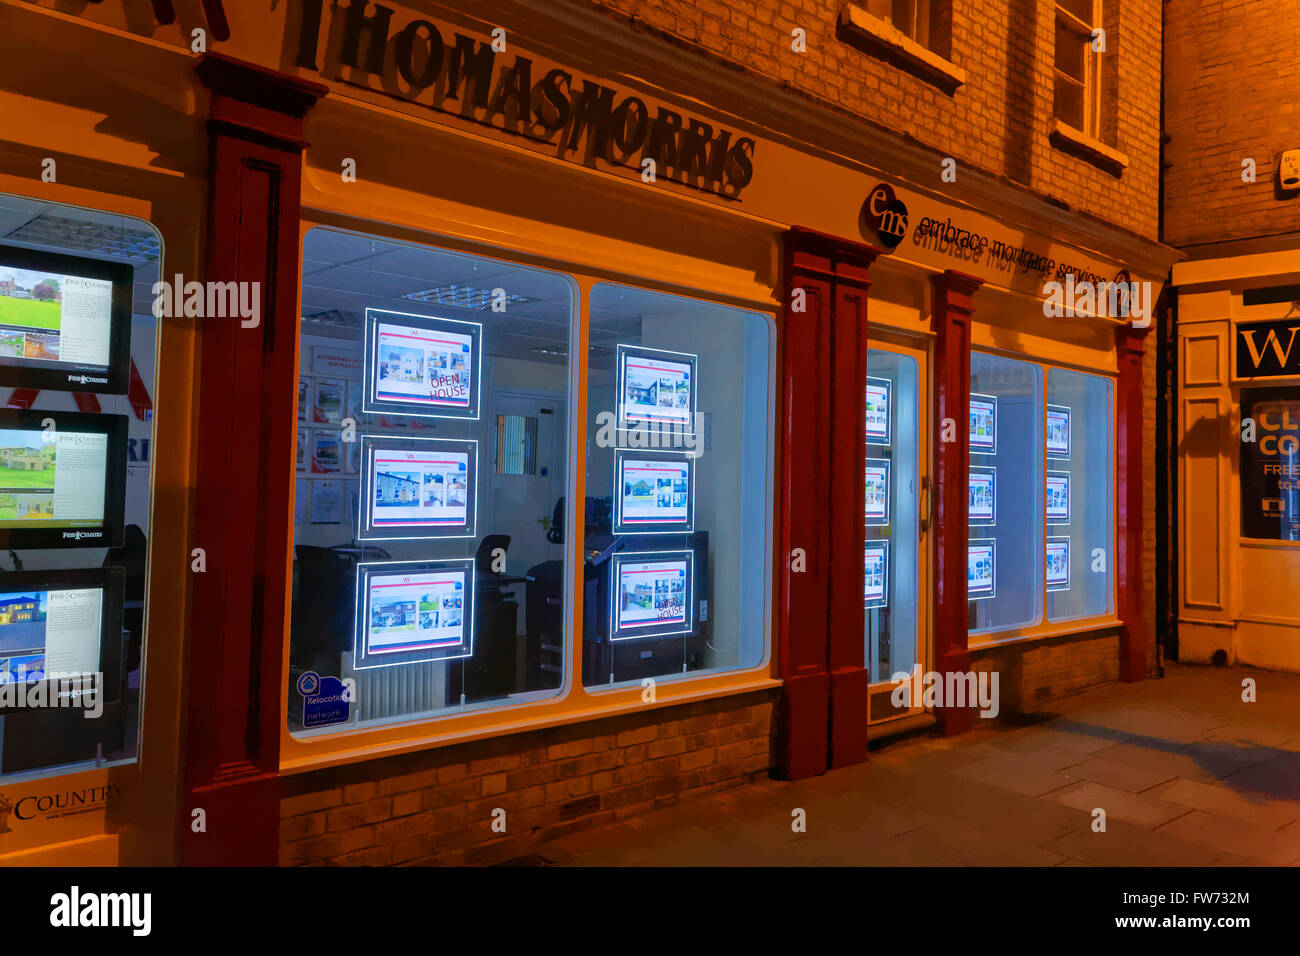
x: 65, y: 321
x: 62, y: 479
x: 63, y: 630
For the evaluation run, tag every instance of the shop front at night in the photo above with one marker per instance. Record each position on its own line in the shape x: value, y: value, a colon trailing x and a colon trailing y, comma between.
x: 483, y: 272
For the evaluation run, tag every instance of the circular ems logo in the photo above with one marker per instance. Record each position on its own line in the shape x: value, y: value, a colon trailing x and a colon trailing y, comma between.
x: 885, y: 215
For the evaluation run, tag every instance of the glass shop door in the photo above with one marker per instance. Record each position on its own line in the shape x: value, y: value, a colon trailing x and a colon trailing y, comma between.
x: 897, y: 516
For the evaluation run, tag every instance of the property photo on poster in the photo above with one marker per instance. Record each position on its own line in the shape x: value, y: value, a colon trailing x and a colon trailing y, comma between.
x: 983, y: 495
x: 326, y: 452
x: 875, y: 590
x: 653, y: 492
x: 877, y: 494
x: 983, y: 424
x: 656, y: 388
x: 1056, y: 492
x: 1058, y: 564
x: 981, y: 569
x: 1057, y: 429
x: 413, y: 612
x: 417, y: 487
x: 304, y: 438
x: 421, y: 365
x: 652, y: 594
x: 328, y: 406
x: 878, y: 401
x: 306, y: 393
x: 65, y: 321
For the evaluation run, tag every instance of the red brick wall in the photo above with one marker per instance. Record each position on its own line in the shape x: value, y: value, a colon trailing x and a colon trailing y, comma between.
x: 435, y: 807
x: 998, y: 121
x: 1232, y: 74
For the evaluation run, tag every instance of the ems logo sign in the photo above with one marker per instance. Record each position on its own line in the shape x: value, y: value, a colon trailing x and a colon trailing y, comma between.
x: 884, y: 214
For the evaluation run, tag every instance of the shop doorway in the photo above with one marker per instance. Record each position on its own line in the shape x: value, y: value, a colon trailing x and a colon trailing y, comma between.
x: 896, y: 513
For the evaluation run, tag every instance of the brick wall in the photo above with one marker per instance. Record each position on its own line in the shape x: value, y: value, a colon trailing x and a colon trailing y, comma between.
x: 1030, y: 675
x: 436, y: 807
x: 1232, y: 74
x: 998, y: 121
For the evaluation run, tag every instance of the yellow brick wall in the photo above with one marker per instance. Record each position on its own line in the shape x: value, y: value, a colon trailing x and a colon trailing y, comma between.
x: 1232, y: 75
x: 998, y: 121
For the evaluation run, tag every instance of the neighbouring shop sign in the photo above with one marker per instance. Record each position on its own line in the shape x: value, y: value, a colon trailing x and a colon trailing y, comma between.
x: 1268, y: 349
x: 489, y: 82
x: 1270, y: 464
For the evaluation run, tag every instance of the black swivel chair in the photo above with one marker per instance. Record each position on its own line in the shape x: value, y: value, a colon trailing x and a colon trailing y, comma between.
x: 490, y: 672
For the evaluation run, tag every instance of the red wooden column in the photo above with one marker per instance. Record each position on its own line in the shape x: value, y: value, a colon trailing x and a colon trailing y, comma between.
x: 1128, y: 495
x: 950, y: 487
x: 242, y: 492
x: 822, y: 719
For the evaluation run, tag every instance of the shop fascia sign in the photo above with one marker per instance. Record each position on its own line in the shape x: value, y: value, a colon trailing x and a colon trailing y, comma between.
x: 952, y: 237
x: 488, y: 83
x: 20, y: 810
x: 1268, y: 349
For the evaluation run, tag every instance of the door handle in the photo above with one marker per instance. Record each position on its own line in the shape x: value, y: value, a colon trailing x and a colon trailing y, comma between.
x: 927, y: 514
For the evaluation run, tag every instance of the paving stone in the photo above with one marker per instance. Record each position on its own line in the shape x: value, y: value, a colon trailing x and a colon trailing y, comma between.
x: 1119, y: 774
x: 1134, y: 808
x: 1236, y: 836
x: 1221, y: 799
x: 1017, y: 774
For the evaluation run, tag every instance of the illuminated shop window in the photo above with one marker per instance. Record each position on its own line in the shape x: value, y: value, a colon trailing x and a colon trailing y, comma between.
x: 1079, y: 472
x: 433, y: 445
x: 892, y: 494
x: 676, y: 567
x: 75, y: 298
x: 1005, y: 559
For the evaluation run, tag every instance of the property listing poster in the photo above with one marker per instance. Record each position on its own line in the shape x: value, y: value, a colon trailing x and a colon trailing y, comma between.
x: 429, y: 365
x: 326, y: 452
x: 878, y: 390
x: 305, y: 393
x: 983, y: 495
x: 1056, y: 490
x: 1058, y: 564
x: 414, y: 611
x: 651, y: 596
x: 983, y: 424
x: 656, y: 388
x: 419, y: 490
x: 981, y: 569
x: 877, y: 494
x: 304, y: 439
x: 654, y: 493
x: 1057, y: 430
x: 876, y: 574
x: 328, y: 407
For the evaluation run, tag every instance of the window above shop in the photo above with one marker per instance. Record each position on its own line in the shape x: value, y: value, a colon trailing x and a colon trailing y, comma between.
x: 1084, y: 81
x: 914, y: 35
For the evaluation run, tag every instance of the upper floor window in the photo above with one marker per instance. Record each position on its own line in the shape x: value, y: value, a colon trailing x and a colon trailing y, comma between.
x: 910, y: 17
x: 1077, y: 67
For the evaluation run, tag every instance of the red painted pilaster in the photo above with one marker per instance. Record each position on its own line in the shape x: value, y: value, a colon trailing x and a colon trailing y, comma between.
x: 951, y: 322
x: 1128, y: 495
x: 245, y: 426
x: 823, y: 711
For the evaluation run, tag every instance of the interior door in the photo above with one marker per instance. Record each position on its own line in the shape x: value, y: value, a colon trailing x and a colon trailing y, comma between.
x: 526, y: 449
x: 898, y: 496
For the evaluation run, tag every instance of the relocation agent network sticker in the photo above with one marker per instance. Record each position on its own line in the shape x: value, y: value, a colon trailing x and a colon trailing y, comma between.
x: 325, y: 700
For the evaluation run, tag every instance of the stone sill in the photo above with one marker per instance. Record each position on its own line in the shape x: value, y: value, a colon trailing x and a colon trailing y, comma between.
x: 882, y: 39
x: 1070, y: 140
